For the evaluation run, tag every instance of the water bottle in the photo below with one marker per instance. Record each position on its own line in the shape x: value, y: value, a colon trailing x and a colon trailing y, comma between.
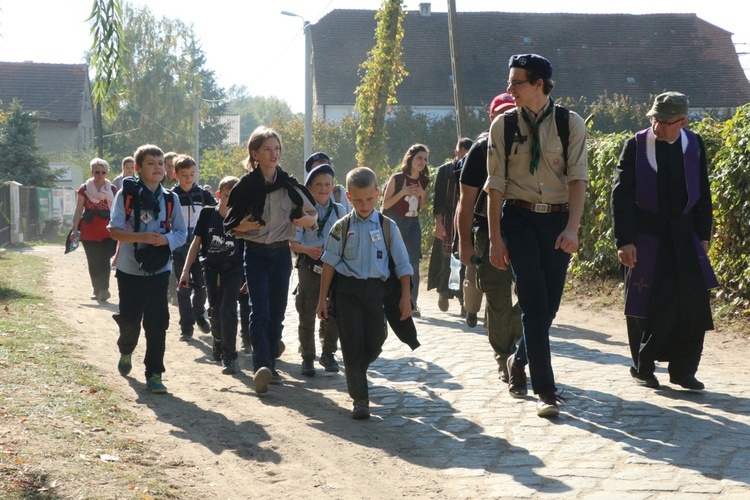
x: 454, y: 281
x: 74, y: 244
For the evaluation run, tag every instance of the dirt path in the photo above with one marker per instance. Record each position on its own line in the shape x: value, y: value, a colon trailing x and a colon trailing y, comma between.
x: 442, y: 425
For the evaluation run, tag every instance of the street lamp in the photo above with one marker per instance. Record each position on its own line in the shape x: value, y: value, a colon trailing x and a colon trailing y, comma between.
x: 308, y: 81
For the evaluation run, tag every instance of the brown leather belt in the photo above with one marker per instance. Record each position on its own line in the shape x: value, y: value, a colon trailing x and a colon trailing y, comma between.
x: 540, y: 208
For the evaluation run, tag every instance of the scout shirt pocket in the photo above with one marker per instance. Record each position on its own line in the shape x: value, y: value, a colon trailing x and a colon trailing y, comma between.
x: 553, y: 153
x: 519, y: 159
x: 351, y: 249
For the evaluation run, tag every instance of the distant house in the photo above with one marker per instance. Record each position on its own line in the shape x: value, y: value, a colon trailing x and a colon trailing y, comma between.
x: 635, y: 55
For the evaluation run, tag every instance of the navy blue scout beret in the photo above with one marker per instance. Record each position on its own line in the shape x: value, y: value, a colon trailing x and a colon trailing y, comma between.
x: 320, y: 155
x: 532, y: 62
x: 320, y: 169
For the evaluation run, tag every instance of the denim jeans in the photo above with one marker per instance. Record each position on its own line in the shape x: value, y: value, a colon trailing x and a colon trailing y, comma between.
x: 267, y: 272
x: 411, y: 233
x: 540, y: 272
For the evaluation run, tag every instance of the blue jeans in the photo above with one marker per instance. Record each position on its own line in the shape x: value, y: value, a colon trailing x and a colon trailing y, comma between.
x: 267, y: 272
x: 411, y: 233
x: 540, y: 272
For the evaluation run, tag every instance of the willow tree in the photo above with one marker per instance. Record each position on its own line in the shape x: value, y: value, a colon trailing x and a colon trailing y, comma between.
x: 381, y: 73
x: 107, y: 48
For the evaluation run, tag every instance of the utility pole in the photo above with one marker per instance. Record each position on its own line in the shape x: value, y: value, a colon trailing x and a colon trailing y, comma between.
x: 458, y: 98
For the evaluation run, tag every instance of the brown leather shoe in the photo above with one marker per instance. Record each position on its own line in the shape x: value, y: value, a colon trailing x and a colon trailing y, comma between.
x: 547, y: 405
x: 516, y: 380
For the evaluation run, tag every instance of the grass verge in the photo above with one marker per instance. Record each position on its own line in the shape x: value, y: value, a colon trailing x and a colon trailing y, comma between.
x: 63, y: 433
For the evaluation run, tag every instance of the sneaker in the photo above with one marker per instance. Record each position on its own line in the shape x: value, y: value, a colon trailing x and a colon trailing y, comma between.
x: 308, y: 368
x: 547, y: 405
x: 443, y: 303
x: 416, y: 313
x: 216, y: 350
x: 154, y: 384
x: 125, y: 364
x: 328, y: 361
x: 282, y: 348
x: 361, y: 410
x: 276, y: 378
x: 103, y: 296
x: 247, y: 347
x: 261, y: 379
x: 230, y: 366
x: 471, y: 320
x: 186, y: 336
x: 203, y: 324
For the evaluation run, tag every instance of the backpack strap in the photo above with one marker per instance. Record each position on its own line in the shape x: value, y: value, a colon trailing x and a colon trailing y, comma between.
x: 562, y: 119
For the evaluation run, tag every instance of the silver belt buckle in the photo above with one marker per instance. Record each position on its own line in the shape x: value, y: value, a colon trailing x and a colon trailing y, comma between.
x: 541, y: 208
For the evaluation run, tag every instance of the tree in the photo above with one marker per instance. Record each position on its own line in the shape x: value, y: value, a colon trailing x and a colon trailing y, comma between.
x: 381, y: 73
x: 107, y: 48
x: 255, y: 110
x: 19, y: 157
x: 165, y: 80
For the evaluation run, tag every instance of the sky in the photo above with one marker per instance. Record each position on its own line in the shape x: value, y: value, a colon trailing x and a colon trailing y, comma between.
x: 247, y: 37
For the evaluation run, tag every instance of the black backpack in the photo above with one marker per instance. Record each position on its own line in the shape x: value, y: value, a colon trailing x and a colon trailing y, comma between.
x: 562, y: 119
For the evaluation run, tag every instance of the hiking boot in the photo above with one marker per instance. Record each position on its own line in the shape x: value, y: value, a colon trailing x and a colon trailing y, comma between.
x: 328, y: 361
x: 282, y: 348
x: 516, y: 380
x: 125, y: 364
x: 361, y: 410
x: 203, y: 324
x: 443, y: 303
x: 230, y: 366
x: 154, y: 384
x: 308, y: 368
x: 471, y: 320
x: 261, y: 379
x: 216, y: 350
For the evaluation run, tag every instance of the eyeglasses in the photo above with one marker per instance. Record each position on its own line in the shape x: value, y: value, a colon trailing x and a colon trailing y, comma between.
x: 663, y: 123
x: 516, y: 83
x: 100, y: 172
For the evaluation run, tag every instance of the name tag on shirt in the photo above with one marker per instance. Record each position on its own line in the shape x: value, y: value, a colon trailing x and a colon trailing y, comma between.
x: 375, y: 235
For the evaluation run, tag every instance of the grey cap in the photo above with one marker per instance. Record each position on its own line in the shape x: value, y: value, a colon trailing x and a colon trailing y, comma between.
x: 668, y: 105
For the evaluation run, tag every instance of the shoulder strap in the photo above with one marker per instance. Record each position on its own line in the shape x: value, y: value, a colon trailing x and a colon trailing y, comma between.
x: 345, y: 228
x: 562, y: 119
x: 399, y: 182
x: 385, y: 226
x: 169, y: 203
x: 510, y: 129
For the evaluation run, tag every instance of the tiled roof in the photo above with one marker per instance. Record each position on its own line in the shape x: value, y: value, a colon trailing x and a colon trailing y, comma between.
x: 55, y: 92
x: 591, y: 54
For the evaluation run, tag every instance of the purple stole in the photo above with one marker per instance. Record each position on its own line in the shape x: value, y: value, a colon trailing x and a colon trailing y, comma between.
x: 641, y: 277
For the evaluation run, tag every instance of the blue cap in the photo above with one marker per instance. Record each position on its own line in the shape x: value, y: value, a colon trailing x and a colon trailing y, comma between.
x: 320, y: 155
x: 531, y: 62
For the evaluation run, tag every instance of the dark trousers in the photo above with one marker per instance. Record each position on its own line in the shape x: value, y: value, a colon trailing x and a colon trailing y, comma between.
x: 98, y: 255
x: 540, y: 277
x: 267, y: 271
x: 245, y: 309
x: 306, y: 302
x: 223, y: 290
x: 411, y: 233
x: 189, y: 310
x: 143, y: 298
x: 361, y: 322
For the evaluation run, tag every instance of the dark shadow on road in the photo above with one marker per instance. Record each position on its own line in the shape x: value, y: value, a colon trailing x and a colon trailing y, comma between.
x: 208, y: 428
x: 415, y: 424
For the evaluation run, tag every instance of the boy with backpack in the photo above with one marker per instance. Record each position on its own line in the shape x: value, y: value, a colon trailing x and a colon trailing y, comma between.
x: 148, y: 222
x: 362, y: 251
x: 308, y: 245
x: 192, y: 200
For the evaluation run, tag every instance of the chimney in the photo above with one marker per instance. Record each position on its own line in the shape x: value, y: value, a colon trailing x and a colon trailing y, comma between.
x: 425, y: 9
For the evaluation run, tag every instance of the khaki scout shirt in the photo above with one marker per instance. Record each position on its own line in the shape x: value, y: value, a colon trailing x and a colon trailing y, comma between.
x: 548, y: 184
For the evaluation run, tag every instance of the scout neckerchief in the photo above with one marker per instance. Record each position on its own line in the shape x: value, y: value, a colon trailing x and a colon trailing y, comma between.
x: 534, y: 132
x: 150, y: 199
x: 322, y: 222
